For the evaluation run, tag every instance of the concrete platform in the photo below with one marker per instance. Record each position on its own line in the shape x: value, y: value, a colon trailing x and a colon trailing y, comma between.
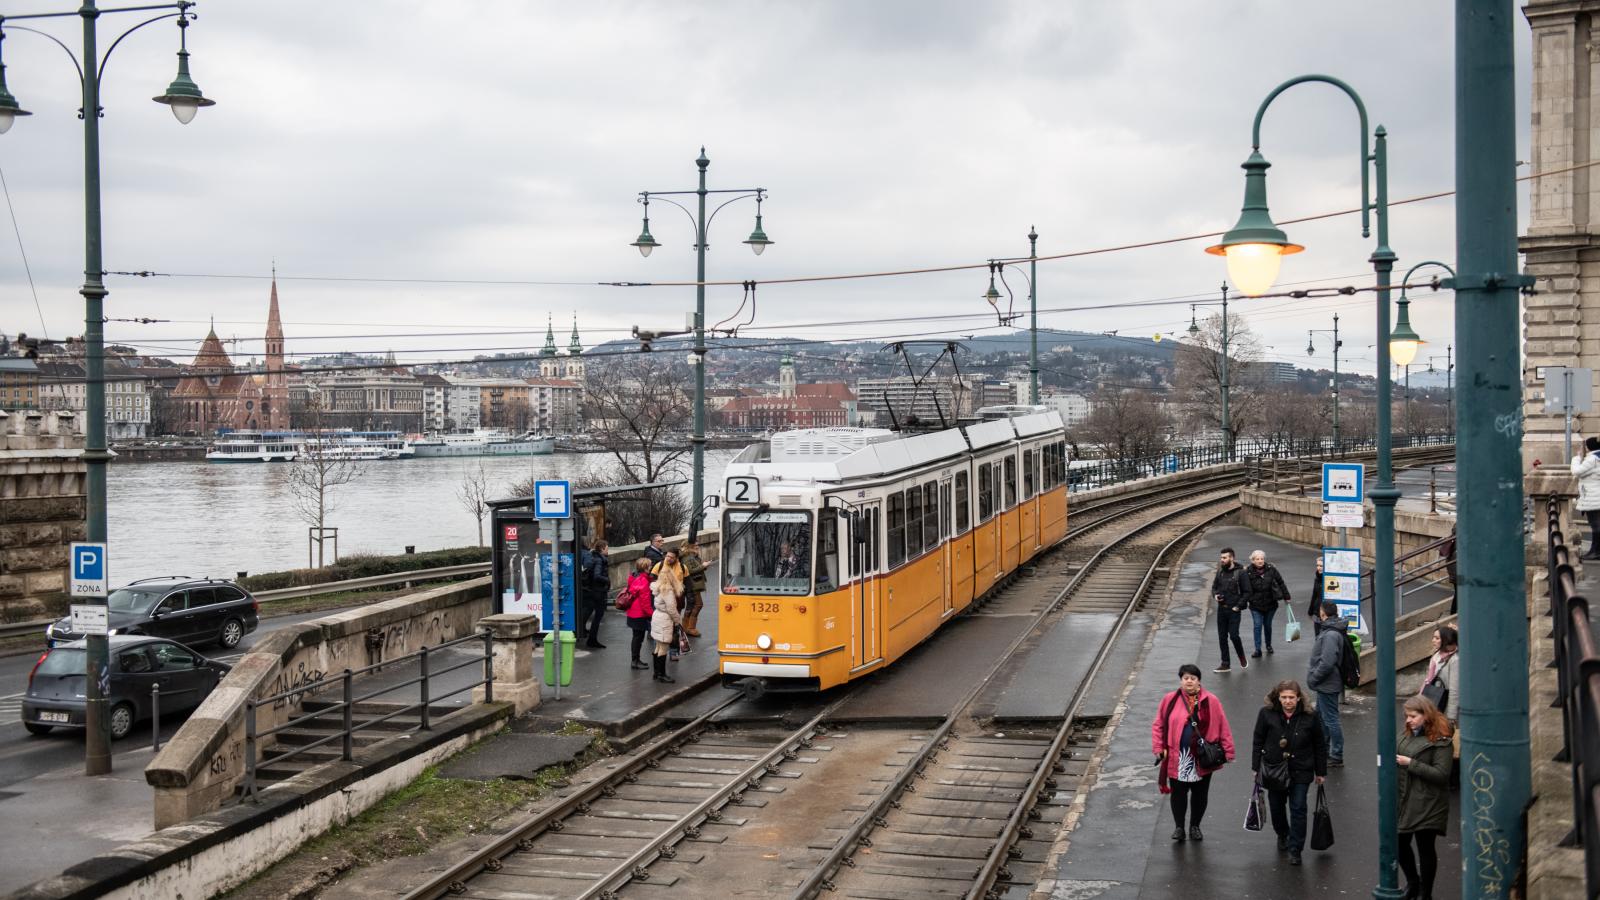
x: 514, y: 755
x: 1120, y: 847
x: 1039, y: 682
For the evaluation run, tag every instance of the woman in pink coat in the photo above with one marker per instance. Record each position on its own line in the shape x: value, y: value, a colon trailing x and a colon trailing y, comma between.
x: 1185, y: 714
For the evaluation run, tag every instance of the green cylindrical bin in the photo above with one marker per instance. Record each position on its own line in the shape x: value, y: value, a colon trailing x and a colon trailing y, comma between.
x: 568, y: 641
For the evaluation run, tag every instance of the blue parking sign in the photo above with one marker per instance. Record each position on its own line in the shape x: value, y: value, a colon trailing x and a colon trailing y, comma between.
x: 87, y: 575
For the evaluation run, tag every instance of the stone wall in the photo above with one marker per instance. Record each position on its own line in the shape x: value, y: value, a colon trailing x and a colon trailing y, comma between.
x: 42, y: 507
x: 1299, y: 519
x: 205, y: 761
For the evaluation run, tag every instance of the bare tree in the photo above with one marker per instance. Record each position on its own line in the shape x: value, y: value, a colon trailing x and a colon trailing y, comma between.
x: 1198, y: 380
x: 1289, y: 417
x: 473, y: 493
x: 639, y: 409
x: 1127, y: 424
x: 314, y: 475
x: 631, y: 518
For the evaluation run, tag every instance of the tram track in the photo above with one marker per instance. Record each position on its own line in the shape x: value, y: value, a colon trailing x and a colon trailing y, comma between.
x: 987, y: 793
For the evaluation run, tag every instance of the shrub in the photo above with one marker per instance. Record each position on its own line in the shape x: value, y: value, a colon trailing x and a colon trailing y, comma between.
x: 365, y: 566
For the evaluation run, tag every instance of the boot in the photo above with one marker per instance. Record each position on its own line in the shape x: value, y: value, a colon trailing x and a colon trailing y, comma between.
x: 661, y: 670
x: 689, y: 622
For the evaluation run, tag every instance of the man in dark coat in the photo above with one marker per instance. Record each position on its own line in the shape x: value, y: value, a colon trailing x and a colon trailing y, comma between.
x: 1227, y: 591
x: 1263, y: 591
x: 657, y: 551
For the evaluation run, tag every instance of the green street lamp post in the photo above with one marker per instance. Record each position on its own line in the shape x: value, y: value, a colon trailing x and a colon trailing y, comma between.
x: 1194, y: 331
x: 1254, y: 249
x: 1311, y: 350
x: 1495, y: 759
x: 1449, y: 385
x: 1405, y: 340
x: 185, y: 99
x: 757, y: 242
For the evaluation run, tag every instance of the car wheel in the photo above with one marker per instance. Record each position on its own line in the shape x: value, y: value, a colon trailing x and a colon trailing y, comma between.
x: 232, y: 633
x: 36, y: 728
x: 121, y: 721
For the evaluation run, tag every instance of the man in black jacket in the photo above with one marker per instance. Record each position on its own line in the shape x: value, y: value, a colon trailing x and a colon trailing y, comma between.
x: 1263, y: 591
x: 1227, y: 591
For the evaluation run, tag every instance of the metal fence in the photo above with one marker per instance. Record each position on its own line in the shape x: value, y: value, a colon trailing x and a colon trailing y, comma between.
x: 1578, y: 682
x: 346, y: 706
x: 1087, y: 475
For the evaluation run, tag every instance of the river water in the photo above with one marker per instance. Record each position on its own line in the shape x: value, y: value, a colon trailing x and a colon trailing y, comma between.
x: 218, y: 519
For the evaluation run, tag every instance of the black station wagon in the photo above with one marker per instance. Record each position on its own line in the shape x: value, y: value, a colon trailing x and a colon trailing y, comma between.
x: 189, y: 610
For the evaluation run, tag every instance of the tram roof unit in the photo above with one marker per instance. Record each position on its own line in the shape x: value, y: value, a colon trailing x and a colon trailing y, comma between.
x: 812, y: 455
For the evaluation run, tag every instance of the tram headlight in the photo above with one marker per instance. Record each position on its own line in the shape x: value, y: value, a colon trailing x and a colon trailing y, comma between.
x: 764, y: 641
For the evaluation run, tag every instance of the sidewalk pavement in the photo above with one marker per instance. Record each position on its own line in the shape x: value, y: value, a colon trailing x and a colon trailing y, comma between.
x: 1121, y: 849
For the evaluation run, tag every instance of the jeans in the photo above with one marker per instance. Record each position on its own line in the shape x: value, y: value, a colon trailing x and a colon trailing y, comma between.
x: 1228, y: 627
x: 1263, y: 622
x: 1182, y: 792
x: 1328, y: 709
x: 1295, y: 827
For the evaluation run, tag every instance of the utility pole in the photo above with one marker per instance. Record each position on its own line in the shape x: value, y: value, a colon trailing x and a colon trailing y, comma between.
x: 1495, y: 761
x: 1033, y: 317
x: 1227, y: 422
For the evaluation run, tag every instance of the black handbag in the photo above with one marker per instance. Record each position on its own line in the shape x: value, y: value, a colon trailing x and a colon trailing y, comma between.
x: 1275, y: 776
x: 1436, y: 693
x: 1207, y: 755
x: 1321, y: 823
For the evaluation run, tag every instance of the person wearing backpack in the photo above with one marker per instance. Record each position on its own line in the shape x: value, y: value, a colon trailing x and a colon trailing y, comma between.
x: 1326, y: 678
x: 1191, y: 739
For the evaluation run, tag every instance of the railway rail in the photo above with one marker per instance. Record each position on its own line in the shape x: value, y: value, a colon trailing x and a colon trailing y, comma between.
x: 986, y: 793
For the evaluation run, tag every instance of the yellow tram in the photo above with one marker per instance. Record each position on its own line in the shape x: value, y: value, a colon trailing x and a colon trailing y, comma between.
x: 843, y: 548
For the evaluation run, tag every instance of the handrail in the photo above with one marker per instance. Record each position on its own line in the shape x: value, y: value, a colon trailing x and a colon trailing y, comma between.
x: 345, y: 706
x: 1578, y: 686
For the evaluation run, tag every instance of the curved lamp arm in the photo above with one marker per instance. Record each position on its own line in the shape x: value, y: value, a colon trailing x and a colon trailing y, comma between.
x: 68, y: 50
x: 1361, y: 111
x: 1427, y: 262
x: 106, y: 57
x: 647, y: 197
x: 713, y: 216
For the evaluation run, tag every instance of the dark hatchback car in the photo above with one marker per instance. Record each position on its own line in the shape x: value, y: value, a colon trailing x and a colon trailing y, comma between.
x: 55, y: 697
x: 190, y: 610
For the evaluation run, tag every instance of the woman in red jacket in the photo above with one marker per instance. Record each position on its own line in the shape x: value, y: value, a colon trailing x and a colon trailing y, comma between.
x: 639, y: 608
x: 1185, y: 716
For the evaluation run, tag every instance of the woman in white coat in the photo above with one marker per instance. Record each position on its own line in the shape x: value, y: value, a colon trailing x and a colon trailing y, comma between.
x: 1587, y: 468
x: 668, y: 587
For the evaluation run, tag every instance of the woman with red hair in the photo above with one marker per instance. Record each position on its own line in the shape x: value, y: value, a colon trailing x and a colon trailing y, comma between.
x: 1423, y: 758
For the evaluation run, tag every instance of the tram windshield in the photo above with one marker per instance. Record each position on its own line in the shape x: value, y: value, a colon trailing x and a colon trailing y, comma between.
x: 767, y: 552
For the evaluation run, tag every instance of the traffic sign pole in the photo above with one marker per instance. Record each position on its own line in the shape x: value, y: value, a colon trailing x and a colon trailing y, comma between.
x: 87, y: 581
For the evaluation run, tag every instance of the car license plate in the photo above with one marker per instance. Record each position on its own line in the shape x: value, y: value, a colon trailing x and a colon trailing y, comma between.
x: 52, y: 717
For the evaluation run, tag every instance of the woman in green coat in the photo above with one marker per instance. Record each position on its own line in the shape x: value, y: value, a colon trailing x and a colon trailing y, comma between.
x: 1423, y: 759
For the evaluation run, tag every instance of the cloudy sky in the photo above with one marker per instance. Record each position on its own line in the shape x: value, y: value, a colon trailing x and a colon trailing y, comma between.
x: 397, y: 158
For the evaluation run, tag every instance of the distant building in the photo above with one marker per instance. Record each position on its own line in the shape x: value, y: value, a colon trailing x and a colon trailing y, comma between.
x: 19, y: 383
x: 1073, y: 408
x: 435, y: 390
x: 212, y: 395
x: 795, y: 405
x: 1280, y: 372
x: 552, y: 364
x: 387, y: 398
x: 63, y: 385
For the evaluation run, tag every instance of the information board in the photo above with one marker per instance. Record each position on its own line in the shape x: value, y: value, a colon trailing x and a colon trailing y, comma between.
x: 569, y: 594
x: 1343, y: 482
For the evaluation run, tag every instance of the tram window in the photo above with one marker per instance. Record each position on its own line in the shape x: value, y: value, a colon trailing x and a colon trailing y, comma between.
x: 897, y: 530
x: 944, y: 509
x: 827, y: 550
x: 872, y: 542
x: 985, y: 493
x: 1027, y: 474
x: 1011, y: 481
x: 769, y: 553
x: 930, y: 515
x: 962, y: 503
x: 913, y: 522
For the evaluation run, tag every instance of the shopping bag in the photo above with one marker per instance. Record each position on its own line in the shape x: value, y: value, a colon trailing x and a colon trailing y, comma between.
x: 683, y: 642
x: 1253, y: 813
x: 1321, y: 823
x: 1291, y: 628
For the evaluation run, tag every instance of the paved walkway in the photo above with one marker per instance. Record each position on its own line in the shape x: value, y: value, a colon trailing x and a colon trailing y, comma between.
x: 1121, y: 846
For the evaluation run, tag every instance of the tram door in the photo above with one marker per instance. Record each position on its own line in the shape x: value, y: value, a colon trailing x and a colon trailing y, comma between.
x: 947, y: 567
x: 865, y: 544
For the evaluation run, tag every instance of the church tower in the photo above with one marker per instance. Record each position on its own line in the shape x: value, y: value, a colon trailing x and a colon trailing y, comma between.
x: 786, y: 379
x: 275, y: 393
x: 549, y: 366
x: 574, y: 353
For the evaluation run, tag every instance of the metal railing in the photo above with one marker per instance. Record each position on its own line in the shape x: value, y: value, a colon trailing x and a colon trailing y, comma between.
x: 1578, y: 683
x: 345, y: 706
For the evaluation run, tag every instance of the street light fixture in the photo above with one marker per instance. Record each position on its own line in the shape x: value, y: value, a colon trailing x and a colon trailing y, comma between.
x: 1256, y: 246
x: 1194, y: 331
x: 185, y: 99
x: 757, y: 242
x: 1311, y: 350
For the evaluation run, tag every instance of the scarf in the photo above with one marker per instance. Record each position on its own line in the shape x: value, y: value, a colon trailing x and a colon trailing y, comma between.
x: 1439, y: 661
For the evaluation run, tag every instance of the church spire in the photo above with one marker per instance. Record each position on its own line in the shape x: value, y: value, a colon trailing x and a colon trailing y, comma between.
x: 575, y: 347
x: 549, y: 337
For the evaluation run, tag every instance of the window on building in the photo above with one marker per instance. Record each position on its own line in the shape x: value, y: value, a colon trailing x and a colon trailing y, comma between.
x: 985, y: 492
x: 1011, y: 481
x: 897, y: 530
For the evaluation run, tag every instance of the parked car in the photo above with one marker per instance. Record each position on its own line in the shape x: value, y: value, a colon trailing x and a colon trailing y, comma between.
x: 188, y: 610
x: 55, y: 697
